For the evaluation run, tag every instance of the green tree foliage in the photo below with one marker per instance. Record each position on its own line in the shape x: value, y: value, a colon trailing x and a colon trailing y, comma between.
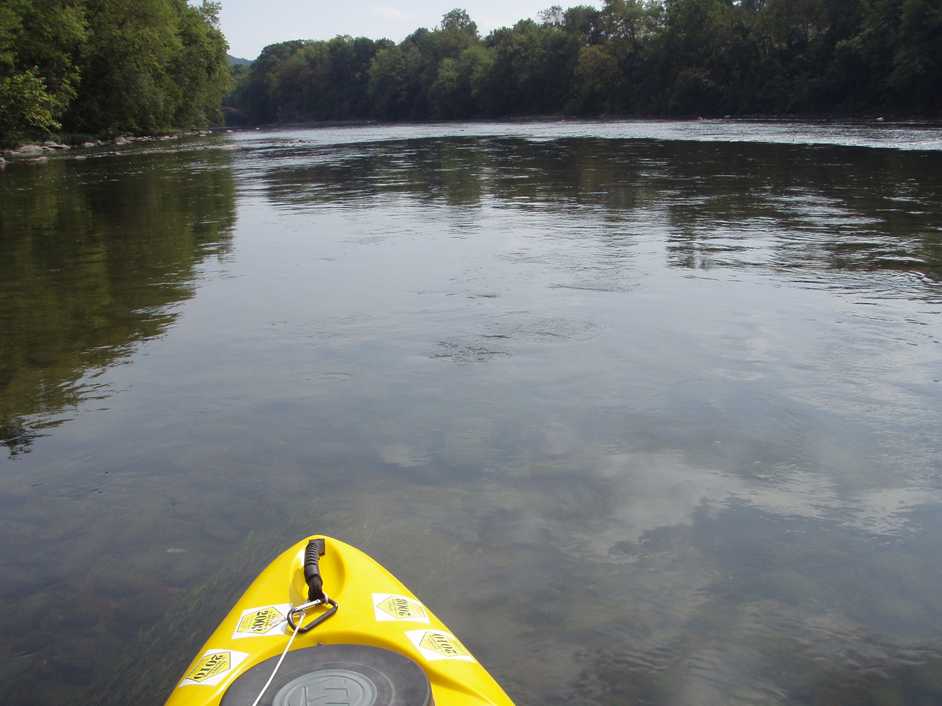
x: 128, y: 85
x: 39, y: 74
x: 26, y: 107
x: 308, y: 80
x: 151, y: 65
x: 201, y: 71
x: 917, y: 61
x: 597, y: 74
x: 638, y: 57
x: 395, y: 81
x: 109, y: 65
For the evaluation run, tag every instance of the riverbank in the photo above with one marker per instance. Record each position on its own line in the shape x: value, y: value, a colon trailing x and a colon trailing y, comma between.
x: 41, y: 151
x: 814, y: 119
x: 78, y: 144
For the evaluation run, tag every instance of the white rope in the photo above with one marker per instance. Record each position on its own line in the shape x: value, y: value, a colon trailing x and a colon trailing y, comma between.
x: 280, y: 660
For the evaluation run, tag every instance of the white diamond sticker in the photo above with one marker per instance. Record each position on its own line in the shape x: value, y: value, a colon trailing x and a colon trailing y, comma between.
x: 436, y: 645
x: 264, y: 621
x: 394, y: 607
x: 212, y: 667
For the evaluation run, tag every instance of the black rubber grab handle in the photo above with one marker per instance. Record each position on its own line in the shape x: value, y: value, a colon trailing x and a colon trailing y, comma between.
x: 312, y: 571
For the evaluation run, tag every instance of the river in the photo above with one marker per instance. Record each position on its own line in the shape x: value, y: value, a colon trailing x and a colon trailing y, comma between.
x: 648, y: 413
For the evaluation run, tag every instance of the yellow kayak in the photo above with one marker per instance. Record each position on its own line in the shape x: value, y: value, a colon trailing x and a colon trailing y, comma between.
x: 325, y: 623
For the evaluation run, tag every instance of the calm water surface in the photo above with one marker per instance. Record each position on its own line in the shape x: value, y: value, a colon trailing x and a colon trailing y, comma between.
x: 649, y: 413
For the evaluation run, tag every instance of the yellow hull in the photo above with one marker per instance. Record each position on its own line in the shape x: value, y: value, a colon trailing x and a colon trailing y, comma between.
x: 375, y: 610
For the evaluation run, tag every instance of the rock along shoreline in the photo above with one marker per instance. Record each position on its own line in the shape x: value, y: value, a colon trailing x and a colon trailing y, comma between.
x: 38, y: 152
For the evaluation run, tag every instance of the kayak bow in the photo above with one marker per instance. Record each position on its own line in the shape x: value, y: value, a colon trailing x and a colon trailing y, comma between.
x: 335, y: 627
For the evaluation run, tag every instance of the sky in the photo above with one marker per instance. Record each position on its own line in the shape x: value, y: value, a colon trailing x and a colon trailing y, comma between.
x: 251, y: 25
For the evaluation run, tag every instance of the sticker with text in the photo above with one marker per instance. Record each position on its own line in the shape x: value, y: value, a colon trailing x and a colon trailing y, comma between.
x: 263, y: 621
x: 212, y: 667
x: 391, y: 606
x: 435, y: 645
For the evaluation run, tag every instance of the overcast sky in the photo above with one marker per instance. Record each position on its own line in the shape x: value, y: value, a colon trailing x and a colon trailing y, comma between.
x: 252, y: 24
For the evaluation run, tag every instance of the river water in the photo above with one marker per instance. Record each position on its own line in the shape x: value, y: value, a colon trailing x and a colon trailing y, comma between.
x: 649, y: 413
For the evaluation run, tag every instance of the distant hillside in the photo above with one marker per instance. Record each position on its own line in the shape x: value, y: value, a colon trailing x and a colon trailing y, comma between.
x: 238, y: 61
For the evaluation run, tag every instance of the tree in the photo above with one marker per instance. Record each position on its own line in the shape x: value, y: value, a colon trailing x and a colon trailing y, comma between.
x: 260, y: 92
x: 598, y: 76
x: 128, y: 84
x: 666, y: 57
x: 583, y: 22
x: 917, y: 63
x: 459, y: 22
x: 449, y: 95
x: 201, y: 68
x: 475, y: 66
x: 38, y: 72
x: 553, y: 16
x: 393, y: 84
x: 26, y: 107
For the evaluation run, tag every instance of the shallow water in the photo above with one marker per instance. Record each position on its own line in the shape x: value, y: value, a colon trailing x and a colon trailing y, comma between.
x: 647, y: 412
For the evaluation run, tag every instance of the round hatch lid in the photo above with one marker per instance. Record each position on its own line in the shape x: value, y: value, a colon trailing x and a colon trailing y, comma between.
x: 342, y: 675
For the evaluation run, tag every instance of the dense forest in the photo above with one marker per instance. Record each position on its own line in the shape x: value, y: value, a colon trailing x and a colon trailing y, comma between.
x: 108, y: 66
x: 144, y: 66
x: 630, y: 57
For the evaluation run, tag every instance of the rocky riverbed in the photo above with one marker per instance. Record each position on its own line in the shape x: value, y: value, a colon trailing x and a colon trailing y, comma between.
x: 39, y: 152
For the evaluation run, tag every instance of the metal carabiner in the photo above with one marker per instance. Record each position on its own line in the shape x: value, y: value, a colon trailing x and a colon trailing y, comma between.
x: 304, y: 607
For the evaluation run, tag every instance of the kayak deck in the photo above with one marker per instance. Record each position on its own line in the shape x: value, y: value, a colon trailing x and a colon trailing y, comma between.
x: 374, y: 609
